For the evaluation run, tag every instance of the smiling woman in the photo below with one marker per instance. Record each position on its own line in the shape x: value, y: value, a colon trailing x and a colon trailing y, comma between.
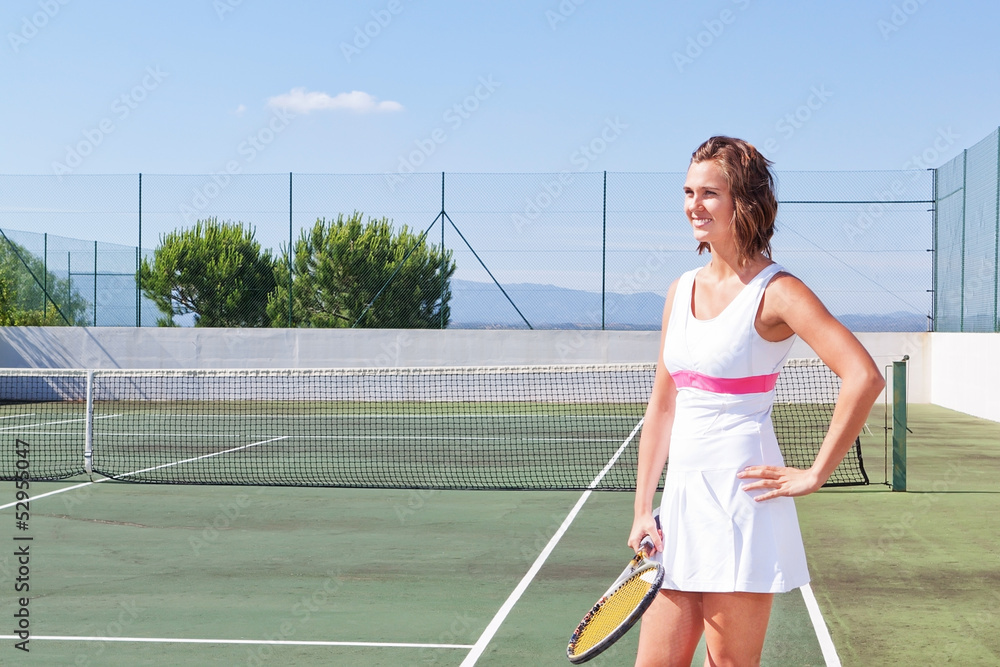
x: 708, y: 203
x: 728, y: 535
x: 745, y: 195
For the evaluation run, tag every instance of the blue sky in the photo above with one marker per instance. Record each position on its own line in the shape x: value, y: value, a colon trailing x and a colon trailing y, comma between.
x: 389, y: 87
x: 367, y: 87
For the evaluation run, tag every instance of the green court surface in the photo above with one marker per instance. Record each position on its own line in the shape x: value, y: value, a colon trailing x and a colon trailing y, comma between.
x: 914, y: 578
x: 401, y: 577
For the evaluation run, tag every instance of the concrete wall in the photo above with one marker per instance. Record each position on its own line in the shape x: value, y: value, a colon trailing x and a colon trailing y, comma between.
x: 129, y: 347
x: 966, y: 369
x: 150, y: 347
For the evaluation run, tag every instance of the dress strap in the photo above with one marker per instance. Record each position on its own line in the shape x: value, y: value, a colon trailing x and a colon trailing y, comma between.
x: 761, y: 281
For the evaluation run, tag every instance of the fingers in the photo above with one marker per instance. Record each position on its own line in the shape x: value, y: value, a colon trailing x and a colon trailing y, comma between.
x: 657, y: 538
x: 779, y: 481
x: 635, y: 540
x: 643, y: 529
x: 772, y: 480
x: 657, y: 544
x: 761, y: 472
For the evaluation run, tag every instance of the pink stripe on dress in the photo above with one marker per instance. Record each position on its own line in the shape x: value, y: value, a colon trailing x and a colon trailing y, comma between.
x: 755, y: 384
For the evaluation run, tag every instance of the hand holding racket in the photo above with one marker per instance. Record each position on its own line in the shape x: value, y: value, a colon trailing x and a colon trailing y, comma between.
x: 619, y: 608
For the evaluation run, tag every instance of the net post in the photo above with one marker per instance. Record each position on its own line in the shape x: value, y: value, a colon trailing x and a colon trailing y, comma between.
x: 88, y: 441
x: 899, y: 425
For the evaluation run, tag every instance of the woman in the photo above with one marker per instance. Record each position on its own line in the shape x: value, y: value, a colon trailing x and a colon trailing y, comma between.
x: 729, y: 535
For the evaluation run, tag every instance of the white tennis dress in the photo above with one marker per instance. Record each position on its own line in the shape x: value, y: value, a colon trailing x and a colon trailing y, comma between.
x: 716, y: 537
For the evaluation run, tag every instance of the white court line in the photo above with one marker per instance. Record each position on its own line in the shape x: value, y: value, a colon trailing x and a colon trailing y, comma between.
x: 199, y: 458
x: 26, y: 414
x: 350, y: 438
x: 501, y: 615
x: 819, y: 625
x: 270, y: 642
x: 52, y: 493
x: 61, y: 421
x: 145, y: 434
x: 458, y: 416
x: 138, y: 472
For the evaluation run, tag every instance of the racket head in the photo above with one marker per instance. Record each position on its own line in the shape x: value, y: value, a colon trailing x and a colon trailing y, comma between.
x: 618, y: 609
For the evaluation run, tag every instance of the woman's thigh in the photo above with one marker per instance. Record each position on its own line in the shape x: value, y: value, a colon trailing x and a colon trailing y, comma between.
x: 735, y: 626
x: 670, y: 629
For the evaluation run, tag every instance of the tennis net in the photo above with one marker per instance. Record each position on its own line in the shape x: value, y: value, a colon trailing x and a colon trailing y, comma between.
x: 527, y: 427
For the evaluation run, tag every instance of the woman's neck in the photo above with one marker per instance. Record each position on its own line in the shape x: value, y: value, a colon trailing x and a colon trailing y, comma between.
x: 725, y: 264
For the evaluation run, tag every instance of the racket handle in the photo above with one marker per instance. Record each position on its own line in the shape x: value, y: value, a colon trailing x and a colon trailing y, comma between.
x: 646, y: 547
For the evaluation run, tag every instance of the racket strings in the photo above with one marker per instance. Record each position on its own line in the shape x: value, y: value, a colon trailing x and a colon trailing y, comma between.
x: 611, y: 612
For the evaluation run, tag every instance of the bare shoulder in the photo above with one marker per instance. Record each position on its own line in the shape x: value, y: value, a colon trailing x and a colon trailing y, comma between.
x: 790, y: 307
x: 787, y: 299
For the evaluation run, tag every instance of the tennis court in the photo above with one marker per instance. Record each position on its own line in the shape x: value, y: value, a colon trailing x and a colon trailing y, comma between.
x: 401, y: 571
x: 215, y: 574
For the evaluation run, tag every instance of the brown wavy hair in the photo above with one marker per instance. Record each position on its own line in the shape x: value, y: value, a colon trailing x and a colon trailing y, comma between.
x: 752, y: 187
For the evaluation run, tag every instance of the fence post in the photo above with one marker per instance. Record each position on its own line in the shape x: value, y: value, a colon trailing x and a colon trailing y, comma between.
x: 933, y: 324
x: 965, y: 197
x: 604, y: 246
x: 45, y: 275
x: 138, y: 264
x: 290, y: 263
x: 69, y: 276
x: 996, y: 249
x: 441, y: 309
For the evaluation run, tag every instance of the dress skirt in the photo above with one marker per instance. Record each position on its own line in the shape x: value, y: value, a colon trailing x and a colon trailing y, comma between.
x: 716, y: 537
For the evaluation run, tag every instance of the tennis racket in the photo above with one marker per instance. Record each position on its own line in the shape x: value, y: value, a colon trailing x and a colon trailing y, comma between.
x: 619, y: 608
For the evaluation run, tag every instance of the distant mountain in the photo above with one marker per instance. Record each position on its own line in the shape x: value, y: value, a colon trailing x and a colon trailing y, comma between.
x: 482, y: 305
x: 477, y: 305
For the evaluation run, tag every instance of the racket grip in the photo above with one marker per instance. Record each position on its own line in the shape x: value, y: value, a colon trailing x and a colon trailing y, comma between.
x: 646, y: 547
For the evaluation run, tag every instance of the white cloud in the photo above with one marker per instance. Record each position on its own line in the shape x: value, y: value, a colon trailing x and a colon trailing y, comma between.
x: 300, y: 101
x: 240, y: 109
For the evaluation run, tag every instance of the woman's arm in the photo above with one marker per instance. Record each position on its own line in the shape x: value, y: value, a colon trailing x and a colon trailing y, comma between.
x: 791, y: 307
x: 654, y: 442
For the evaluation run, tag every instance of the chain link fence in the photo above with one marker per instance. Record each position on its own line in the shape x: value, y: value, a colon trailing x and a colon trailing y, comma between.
x: 543, y: 251
x: 967, y: 239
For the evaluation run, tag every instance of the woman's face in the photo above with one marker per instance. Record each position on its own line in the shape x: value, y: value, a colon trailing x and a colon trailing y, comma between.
x: 707, y: 202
